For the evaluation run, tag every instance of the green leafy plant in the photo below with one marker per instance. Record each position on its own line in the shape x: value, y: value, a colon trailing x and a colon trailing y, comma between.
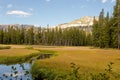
x: 104, y: 75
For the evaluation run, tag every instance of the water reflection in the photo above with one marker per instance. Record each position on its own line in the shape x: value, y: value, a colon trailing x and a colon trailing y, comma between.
x: 15, y: 72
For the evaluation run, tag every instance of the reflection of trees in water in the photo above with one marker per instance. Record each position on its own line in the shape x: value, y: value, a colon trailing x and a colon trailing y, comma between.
x: 17, y: 74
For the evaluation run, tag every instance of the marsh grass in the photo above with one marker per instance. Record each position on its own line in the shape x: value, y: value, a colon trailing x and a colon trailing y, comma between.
x: 89, y: 60
x: 17, y: 59
x: 45, y: 73
x: 47, y: 51
x: 29, y: 47
x: 5, y: 47
x: 13, y: 56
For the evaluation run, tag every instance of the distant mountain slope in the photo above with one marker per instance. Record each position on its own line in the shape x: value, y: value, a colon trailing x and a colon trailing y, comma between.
x: 82, y: 22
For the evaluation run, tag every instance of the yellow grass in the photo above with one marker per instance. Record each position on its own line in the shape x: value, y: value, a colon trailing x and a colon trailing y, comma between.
x: 14, y: 46
x: 16, y: 52
x: 86, y: 58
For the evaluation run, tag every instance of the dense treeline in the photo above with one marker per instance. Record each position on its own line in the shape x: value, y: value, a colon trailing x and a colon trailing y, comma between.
x: 106, y: 31
x: 45, y: 36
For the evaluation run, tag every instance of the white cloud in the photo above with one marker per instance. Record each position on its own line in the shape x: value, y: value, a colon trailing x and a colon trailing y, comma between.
x: 9, y: 5
x: 112, y: 1
x: 104, y: 1
x: 18, y: 13
x: 47, y: 0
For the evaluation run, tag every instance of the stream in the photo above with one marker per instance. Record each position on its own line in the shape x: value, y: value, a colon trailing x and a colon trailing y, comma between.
x: 19, y: 71
x: 15, y: 72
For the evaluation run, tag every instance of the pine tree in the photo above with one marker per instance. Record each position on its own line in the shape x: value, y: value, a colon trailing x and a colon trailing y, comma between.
x: 1, y: 35
x: 95, y: 33
x: 101, y: 29
x: 116, y: 26
x: 106, y: 32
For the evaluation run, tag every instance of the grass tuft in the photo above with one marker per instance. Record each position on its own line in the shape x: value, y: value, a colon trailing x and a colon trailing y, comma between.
x: 5, y: 47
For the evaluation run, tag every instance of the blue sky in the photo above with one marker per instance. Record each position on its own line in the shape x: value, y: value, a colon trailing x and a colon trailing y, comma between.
x: 52, y: 12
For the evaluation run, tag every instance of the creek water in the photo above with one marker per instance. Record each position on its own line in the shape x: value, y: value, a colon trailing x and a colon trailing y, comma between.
x: 19, y: 71
x: 15, y: 72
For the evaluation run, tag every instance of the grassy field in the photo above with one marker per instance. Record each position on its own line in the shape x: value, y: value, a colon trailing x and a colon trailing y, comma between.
x: 85, y: 57
x: 92, y: 60
x: 89, y: 59
x: 16, y: 54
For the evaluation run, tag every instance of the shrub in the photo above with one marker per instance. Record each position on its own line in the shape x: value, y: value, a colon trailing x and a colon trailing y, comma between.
x: 104, y: 75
